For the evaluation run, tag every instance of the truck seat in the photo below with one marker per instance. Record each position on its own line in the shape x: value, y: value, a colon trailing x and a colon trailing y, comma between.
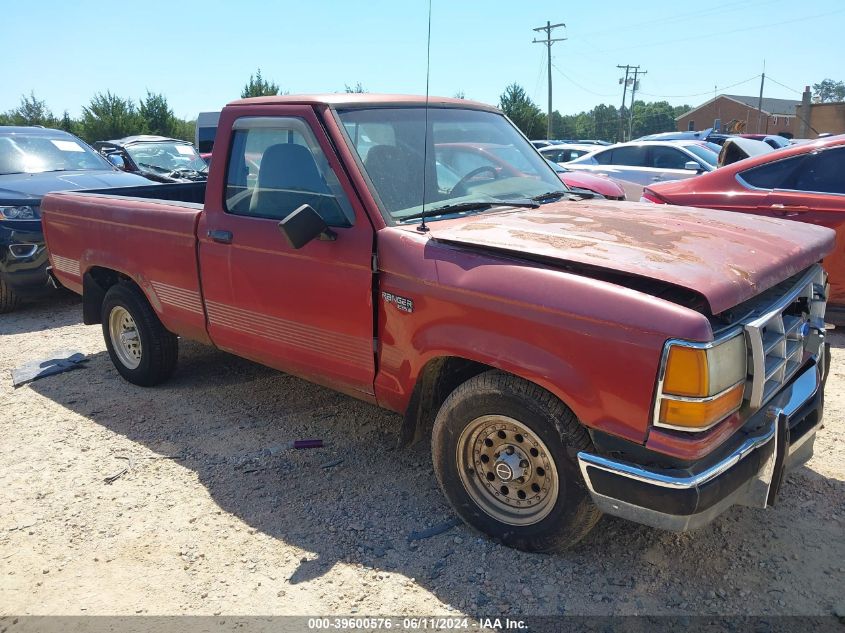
x: 397, y: 175
x: 287, y: 178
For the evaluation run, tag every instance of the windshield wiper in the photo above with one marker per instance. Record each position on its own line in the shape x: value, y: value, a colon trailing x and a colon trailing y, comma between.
x: 549, y: 195
x: 477, y: 205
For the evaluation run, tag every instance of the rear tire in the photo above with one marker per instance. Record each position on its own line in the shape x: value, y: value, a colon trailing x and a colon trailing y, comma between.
x: 142, y: 350
x: 8, y: 300
x: 505, y: 454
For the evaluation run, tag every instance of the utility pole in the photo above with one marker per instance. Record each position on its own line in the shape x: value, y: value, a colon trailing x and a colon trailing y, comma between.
x: 620, y: 134
x: 637, y: 73
x: 760, y: 105
x: 548, y: 42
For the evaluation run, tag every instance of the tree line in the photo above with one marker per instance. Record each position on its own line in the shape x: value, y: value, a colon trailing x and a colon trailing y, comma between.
x: 602, y: 122
x: 109, y: 116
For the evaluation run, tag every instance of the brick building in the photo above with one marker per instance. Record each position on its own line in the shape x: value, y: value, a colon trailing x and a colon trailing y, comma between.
x: 823, y: 118
x: 738, y: 114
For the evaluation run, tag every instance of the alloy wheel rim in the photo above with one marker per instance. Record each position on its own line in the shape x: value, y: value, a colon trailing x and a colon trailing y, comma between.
x: 507, y: 470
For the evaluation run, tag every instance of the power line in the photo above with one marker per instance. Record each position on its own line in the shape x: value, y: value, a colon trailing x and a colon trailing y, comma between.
x: 709, y: 35
x: 784, y: 86
x: 706, y: 92
x: 577, y: 85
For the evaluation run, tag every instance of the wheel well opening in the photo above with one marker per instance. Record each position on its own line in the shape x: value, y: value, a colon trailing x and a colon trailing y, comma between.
x: 95, y: 284
x: 439, y: 378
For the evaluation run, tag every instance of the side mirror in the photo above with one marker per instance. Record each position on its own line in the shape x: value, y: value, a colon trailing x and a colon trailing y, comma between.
x: 303, y: 225
x: 691, y: 165
x: 117, y: 161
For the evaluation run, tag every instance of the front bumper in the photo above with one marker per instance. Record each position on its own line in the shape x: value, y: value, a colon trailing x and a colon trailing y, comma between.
x: 775, y: 439
x: 23, y: 258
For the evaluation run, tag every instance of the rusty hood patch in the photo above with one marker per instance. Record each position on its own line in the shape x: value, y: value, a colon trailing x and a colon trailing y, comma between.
x: 726, y: 257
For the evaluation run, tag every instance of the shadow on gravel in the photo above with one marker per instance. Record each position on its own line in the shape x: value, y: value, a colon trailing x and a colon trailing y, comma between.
x: 219, y: 408
x: 58, y: 309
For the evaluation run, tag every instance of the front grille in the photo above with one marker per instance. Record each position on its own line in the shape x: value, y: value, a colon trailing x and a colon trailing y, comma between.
x: 777, y: 335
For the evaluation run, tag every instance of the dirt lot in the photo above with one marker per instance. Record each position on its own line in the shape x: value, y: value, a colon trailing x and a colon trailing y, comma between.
x: 191, y: 528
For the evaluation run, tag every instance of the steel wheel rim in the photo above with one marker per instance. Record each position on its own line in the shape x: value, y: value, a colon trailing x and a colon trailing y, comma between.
x: 125, y: 338
x: 524, y: 485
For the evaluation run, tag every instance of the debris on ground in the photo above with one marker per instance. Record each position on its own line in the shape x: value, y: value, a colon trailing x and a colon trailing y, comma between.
x: 112, y: 478
x: 434, y: 530
x: 56, y: 363
x: 331, y: 464
x: 267, y: 453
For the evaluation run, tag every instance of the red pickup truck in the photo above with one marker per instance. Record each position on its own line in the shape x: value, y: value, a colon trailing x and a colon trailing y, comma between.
x: 565, y: 357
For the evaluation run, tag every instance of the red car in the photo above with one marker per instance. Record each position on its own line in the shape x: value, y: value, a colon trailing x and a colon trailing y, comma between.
x: 802, y: 182
x: 503, y: 159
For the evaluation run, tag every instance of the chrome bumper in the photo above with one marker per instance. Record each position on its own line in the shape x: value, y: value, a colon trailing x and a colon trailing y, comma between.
x: 684, y: 500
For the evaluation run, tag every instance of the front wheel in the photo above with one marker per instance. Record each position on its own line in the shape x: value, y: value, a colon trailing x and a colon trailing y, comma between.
x: 505, y: 454
x: 8, y: 299
x: 142, y: 350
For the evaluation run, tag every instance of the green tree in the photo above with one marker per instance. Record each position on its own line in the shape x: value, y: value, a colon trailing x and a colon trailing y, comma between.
x: 525, y: 114
x: 828, y: 91
x: 184, y: 130
x: 653, y: 117
x: 32, y: 111
x: 356, y: 89
x: 67, y: 124
x: 109, y: 117
x: 259, y: 87
x: 157, y: 116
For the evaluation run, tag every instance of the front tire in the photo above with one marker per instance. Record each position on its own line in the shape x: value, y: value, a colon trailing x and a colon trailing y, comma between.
x: 142, y: 350
x: 505, y: 454
x: 8, y: 299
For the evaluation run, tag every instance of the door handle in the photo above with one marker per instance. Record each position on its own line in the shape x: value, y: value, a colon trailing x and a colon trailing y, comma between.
x: 791, y: 207
x: 221, y: 237
x: 788, y: 211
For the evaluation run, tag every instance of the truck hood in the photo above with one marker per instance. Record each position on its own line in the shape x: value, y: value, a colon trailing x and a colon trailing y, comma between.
x: 724, y: 257
x: 23, y: 188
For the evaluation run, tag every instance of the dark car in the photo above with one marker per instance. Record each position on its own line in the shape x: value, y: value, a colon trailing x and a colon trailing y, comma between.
x: 157, y: 158
x: 33, y: 162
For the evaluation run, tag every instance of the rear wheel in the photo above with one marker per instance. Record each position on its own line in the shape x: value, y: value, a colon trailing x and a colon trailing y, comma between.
x: 142, y: 350
x: 8, y: 299
x: 504, y: 452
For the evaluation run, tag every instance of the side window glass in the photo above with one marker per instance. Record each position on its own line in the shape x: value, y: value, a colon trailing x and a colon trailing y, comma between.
x: 776, y: 175
x: 276, y: 166
x: 824, y: 173
x: 668, y: 158
x: 605, y: 158
x: 632, y: 155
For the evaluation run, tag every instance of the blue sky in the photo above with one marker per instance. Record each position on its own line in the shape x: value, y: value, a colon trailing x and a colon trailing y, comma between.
x: 200, y: 54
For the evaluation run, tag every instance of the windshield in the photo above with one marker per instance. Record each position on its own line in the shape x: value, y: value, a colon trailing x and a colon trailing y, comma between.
x: 473, y: 156
x: 705, y: 153
x: 166, y: 157
x: 22, y: 153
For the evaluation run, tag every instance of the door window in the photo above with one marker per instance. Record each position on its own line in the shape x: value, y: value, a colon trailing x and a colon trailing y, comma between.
x: 823, y: 173
x: 668, y: 157
x: 276, y: 166
x: 776, y: 175
x: 631, y: 155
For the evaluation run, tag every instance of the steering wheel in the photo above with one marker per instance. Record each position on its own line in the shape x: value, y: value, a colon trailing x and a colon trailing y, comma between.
x: 460, y: 186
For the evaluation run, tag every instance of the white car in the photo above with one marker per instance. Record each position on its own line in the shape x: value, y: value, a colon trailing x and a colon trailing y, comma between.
x: 648, y: 162
x: 566, y: 152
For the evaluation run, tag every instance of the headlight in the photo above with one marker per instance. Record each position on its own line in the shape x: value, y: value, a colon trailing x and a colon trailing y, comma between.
x: 701, y: 385
x: 19, y: 213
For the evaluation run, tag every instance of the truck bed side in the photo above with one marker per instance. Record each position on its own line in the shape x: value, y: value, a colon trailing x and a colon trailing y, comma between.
x: 150, y: 241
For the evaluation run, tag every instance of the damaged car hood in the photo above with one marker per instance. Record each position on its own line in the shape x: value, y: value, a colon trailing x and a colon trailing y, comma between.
x: 725, y: 257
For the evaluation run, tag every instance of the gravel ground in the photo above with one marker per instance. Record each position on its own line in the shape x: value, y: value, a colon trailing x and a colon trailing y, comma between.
x: 202, y: 524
